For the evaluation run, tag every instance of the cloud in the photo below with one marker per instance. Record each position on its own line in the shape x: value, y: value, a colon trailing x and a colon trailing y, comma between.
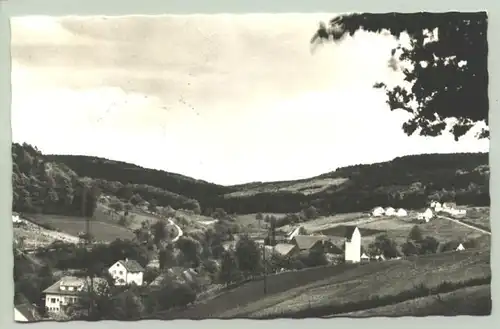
x: 227, y: 98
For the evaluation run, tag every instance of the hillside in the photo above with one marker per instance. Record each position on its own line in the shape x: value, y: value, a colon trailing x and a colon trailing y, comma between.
x: 315, y: 292
x: 407, y: 182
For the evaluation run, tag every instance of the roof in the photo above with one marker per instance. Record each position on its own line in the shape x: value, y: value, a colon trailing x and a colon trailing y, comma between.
x: 349, y: 231
x: 28, y: 311
x: 283, y: 248
x: 71, y: 281
x: 131, y: 265
x: 306, y: 242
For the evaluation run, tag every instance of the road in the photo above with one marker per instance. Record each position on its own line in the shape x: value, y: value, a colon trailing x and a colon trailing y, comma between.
x: 464, y: 224
x: 179, y: 230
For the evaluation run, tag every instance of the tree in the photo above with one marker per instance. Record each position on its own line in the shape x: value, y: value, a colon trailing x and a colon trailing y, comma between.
x: 190, y: 249
x: 159, y: 230
x: 410, y: 248
x: 454, y: 80
x: 310, y: 213
x: 385, y: 246
x: 127, y: 305
x: 166, y: 257
x: 429, y: 245
x: 248, y: 256
x: 415, y: 234
x: 229, y: 271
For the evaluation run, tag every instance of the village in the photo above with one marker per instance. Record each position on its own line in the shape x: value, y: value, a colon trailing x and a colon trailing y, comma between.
x: 346, y: 247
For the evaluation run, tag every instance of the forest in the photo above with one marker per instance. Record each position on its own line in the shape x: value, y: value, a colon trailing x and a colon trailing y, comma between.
x: 53, y: 184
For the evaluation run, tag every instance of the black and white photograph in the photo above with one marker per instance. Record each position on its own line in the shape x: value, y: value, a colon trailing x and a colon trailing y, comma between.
x: 258, y: 166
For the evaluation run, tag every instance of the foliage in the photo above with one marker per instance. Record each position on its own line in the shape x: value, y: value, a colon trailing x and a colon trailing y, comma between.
x: 385, y: 246
x: 454, y: 83
x: 406, y: 182
x: 248, y: 256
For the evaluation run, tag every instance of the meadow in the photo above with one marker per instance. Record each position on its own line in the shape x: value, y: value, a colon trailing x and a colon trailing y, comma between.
x: 474, y: 300
x: 101, y: 230
x: 325, y: 287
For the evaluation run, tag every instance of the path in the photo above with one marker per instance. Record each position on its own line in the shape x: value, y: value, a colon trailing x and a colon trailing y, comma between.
x: 179, y: 230
x: 464, y: 224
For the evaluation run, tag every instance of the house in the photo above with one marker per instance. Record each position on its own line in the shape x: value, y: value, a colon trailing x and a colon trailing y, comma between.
x: 426, y: 215
x: 286, y: 249
x: 16, y: 219
x: 66, y: 291
x: 380, y: 257
x: 352, y: 244
x: 26, y: 313
x: 378, y: 211
x: 436, y: 206
x: 390, y: 211
x: 449, y: 205
x: 401, y: 213
x: 308, y: 243
x: 300, y: 230
x: 460, y: 247
x: 364, y: 258
x: 126, y: 272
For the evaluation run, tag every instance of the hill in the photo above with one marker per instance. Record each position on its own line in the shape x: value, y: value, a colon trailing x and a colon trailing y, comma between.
x: 324, y: 291
x: 47, y: 183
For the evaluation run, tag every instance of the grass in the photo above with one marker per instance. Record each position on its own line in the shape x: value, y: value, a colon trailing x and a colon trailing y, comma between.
x: 250, y: 222
x: 474, y: 300
x: 439, y: 228
x: 325, y: 286
x: 100, y: 229
x: 479, y: 217
x: 326, y: 222
x: 339, y: 231
x: 306, y: 187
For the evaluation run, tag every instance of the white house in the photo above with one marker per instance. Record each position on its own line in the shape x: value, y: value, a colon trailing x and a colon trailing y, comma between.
x: 390, y: 211
x: 352, y: 244
x: 449, y: 205
x: 15, y: 218
x: 64, y: 292
x: 436, y: 206
x: 401, y: 213
x: 460, y: 247
x: 426, y: 215
x: 364, y: 257
x: 126, y: 272
x: 378, y: 211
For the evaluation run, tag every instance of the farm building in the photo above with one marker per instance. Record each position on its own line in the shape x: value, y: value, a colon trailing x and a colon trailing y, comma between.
x: 449, y: 205
x: 299, y: 230
x: 307, y: 242
x: 390, y: 211
x: 426, y: 215
x: 352, y: 244
x: 378, y: 211
x: 436, y: 206
x: 285, y: 249
x: 126, y: 272
x: 460, y: 247
x: 380, y: 257
x: 401, y: 213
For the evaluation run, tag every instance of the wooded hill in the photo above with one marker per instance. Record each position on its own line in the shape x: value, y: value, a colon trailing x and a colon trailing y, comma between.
x: 49, y: 183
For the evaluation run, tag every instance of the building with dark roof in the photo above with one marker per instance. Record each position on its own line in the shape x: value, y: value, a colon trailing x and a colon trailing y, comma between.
x: 126, y: 272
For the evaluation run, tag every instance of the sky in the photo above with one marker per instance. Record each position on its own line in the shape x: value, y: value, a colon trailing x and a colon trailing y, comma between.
x: 224, y: 98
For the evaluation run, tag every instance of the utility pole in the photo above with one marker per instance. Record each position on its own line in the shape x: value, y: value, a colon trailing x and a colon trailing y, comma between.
x: 265, y: 266
x: 87, y: 246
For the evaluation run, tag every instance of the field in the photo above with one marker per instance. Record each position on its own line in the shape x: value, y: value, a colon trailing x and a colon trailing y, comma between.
x: 250, y: 222
x: 330, y: 286
x: 439, y: 228
x: 101, y: 230
x: 478, y: 216
x: 326, y: 222
x: 465, y: 301
x: 34, y: 236
x: 306, y: 187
